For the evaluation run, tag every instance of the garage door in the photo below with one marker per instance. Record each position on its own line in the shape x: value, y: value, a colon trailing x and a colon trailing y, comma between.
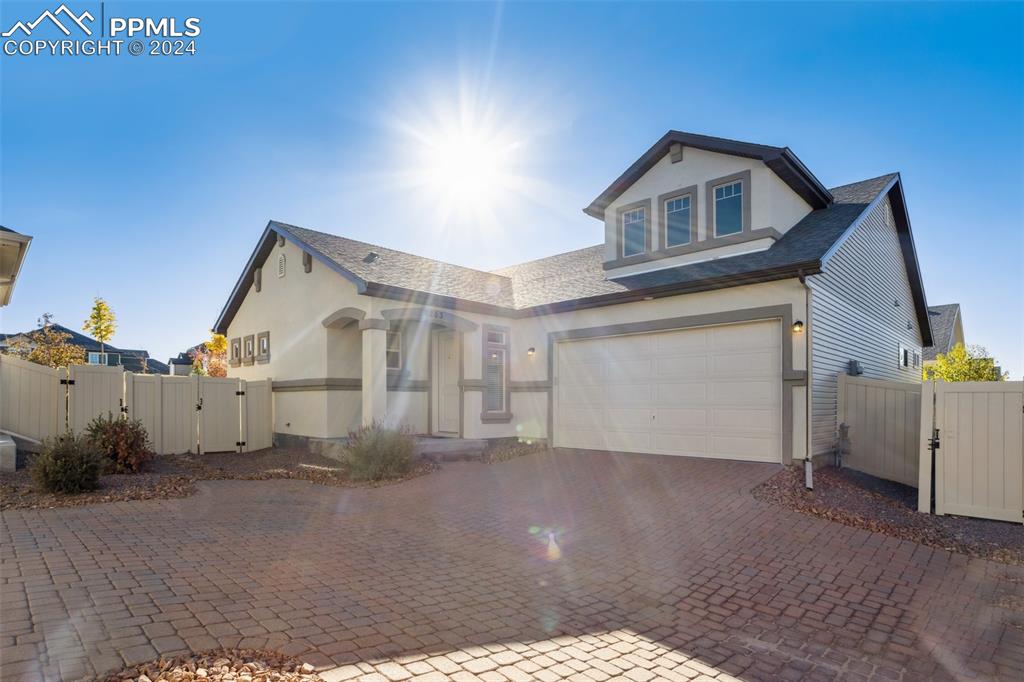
x: 703, y: 392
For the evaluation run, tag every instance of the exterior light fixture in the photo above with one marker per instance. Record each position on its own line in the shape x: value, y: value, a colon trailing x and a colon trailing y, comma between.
x: 530, y: 351
x: 798, y: 327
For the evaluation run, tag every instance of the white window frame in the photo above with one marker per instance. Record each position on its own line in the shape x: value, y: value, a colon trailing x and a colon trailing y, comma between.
x: 689, y: 222
x: 714, y: 207
x: 388, y: 350
x: 626, y: 219
x: 496, y: 344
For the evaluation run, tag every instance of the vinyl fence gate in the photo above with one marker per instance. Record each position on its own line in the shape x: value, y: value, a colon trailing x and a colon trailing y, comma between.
x: 978, y: 430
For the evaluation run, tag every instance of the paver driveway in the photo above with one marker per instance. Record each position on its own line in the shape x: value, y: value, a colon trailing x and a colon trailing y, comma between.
x: 568, y: 565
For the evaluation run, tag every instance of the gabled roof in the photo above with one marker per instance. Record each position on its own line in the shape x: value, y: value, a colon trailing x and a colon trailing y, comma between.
x: 781, y: 160
x: 577, y: 279
x: 944, y: 320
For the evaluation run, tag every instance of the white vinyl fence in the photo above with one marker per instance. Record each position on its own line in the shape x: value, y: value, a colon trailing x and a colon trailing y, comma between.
x: 32, y: 399
x: 181, y: 414
x: 883, y: 425
x: 979, y: 461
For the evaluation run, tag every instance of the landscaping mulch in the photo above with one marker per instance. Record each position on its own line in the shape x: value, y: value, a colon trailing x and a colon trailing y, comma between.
x: 236, y: 665
x: 171, y: 476
x: 511, y: 448
x: 862, y: 501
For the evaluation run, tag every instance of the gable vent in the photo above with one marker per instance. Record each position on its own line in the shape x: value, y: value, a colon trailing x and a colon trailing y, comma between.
x: 371, y: 257
x: 280, y: 265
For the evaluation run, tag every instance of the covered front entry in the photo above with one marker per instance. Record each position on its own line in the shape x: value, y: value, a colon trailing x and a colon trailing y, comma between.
x: 446, y: 393
x: 712, y: 391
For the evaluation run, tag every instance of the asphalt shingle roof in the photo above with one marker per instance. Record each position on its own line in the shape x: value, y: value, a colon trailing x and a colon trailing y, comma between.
x: 579, y: 274
x: 943, y: 319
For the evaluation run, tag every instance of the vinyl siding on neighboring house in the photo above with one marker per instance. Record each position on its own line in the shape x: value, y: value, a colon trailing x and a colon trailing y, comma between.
x: 854, y: 317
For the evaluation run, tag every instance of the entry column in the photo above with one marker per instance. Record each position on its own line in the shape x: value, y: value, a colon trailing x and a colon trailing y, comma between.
x: 375, y: 371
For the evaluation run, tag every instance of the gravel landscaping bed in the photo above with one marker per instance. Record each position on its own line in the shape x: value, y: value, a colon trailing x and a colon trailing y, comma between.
x: 855, y: 499
x: 172, y: 476
x: 240, y: 665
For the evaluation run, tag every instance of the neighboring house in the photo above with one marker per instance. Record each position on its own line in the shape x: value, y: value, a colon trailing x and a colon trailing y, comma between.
x: 132, y: 360
x: 182, y: 364
x: 13, y: 248
x: 729, y: 291
x: 947, y: 330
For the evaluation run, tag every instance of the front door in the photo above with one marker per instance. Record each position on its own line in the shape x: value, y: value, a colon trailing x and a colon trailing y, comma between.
x: 446, y: 383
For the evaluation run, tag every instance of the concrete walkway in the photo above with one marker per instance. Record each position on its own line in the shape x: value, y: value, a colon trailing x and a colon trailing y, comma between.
x: 555, y: 566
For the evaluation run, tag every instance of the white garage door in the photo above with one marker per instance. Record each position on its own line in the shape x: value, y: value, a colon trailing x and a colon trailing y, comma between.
x: 703, y: 392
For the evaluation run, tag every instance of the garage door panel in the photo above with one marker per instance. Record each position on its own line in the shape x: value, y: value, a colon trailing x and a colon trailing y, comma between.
x: 763, y: 363
x: 686, y: 444
x: 579, y: 417
x: 630, y: 394
x: 743, y: 392
x: 626, y: 418
x: 745, y: 420
x: 761, y: 449
x: 682, y: 393
x: 617, y: 370
x: 680, y: 417
x: 689, y: 366
x: 708, y: 392
x: 752, y: 335
x: 689, y: 341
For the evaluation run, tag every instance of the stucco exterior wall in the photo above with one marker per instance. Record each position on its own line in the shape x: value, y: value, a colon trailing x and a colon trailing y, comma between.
x: 328, y: 404
x: 772, y: 203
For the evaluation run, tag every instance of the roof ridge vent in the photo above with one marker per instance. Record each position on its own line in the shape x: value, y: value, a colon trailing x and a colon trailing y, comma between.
x: 371, y: 257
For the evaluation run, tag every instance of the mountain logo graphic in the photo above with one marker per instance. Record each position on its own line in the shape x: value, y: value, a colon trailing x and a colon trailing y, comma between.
x: 78, y: 20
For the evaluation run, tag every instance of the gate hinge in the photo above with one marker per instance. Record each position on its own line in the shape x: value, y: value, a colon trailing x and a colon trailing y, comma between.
x: 240, y: 443
x: 239, y: 392
x: 67, y: 382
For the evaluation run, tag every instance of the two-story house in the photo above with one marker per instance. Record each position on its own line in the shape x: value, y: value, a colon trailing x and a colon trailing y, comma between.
x: 730, y: 289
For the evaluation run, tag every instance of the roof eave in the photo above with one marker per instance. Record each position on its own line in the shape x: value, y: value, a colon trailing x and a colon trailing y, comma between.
x: 790, y: 271
x: 781, y: 160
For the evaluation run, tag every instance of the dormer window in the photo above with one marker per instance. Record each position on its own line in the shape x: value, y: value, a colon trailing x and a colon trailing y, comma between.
x: 678, y: 219
x: 728, y: 209
x: 729, y: 205
x: 633, y: 226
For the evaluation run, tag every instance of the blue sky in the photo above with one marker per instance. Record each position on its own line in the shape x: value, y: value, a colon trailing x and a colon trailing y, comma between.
x: 147, y: 180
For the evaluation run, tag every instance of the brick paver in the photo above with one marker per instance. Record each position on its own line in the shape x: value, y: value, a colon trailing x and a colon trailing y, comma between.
x: 567, y: 566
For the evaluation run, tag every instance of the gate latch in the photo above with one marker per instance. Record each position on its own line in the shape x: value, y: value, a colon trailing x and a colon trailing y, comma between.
x: 199, y: 405
x: 933, y: 442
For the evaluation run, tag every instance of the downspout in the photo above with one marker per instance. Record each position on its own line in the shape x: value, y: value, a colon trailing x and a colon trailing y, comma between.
x: 808, y: 330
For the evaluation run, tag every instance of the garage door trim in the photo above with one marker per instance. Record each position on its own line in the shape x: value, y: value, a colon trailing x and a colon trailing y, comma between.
x: 790, y: 377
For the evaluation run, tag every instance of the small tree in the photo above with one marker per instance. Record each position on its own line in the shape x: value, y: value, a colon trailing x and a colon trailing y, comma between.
x: 101, y: 323
x: 48, y: 346
x: 964, y: 364
x: 211, y: 358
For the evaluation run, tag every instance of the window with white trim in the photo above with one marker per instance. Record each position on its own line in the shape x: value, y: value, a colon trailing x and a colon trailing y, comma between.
x: 107, y: 359
x: 394, y: 350
x: 495, y: 370
x: 634, y: 232
x: 677, y: 221
x: 729, y: 209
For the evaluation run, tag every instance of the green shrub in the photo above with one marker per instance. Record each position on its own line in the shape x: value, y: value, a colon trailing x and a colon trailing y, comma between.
x: 124, y: 442
x: 376, y: 453
x: 68, y: 464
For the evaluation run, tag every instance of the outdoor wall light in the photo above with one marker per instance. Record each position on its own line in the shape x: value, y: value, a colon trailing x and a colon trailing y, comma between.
x: 530, y: 351
x: 798, y: 327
